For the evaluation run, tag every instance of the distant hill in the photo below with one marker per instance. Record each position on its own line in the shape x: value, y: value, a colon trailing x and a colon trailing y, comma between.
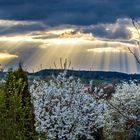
x: 88, y: 74
x: 103, y: 75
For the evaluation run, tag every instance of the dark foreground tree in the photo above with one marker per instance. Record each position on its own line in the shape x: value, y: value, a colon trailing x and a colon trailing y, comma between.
x: 18, y: 105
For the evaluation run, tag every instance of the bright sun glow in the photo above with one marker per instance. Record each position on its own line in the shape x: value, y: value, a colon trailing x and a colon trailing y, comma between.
x: 60, y: 31
x: 60, y: 41
x: 16, y: 38
x: 107, y: 49
x: 134, y: 33
x: 7, y: 56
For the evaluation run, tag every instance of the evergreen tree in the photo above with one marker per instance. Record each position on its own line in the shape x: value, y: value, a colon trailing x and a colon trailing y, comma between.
x: 18, y: 99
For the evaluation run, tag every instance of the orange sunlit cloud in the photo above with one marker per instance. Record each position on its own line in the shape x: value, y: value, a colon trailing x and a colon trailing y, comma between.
x: 4, y: 56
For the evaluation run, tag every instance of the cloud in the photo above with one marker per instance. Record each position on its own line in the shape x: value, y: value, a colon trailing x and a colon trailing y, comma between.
x: 8, y: 27
x: 4, y: 55
x: 76, y: 12
x: 116, y: 30
x: 83, y: 45
x: 120, y: 29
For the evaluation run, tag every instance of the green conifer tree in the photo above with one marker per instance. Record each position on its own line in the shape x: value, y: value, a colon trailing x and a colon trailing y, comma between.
x: 18, y: 99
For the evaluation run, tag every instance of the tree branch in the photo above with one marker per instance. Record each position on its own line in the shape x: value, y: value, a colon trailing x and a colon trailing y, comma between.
x: 137, y: 59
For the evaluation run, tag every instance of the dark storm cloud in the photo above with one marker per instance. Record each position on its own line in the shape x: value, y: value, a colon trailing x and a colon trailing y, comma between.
x: 40, y: 30
x: 8, y: 27
x: 78, y: 12
x: 117, y: 30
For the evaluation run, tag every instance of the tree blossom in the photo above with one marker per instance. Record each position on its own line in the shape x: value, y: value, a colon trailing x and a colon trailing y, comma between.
x: 64, y: 110
x: 123, y: 113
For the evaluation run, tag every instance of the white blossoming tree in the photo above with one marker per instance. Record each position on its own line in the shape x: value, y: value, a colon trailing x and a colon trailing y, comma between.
x: 122, y: 118
x: 64, y: 110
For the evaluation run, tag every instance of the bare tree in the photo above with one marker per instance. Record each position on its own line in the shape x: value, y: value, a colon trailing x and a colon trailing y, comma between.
x: 64, y: 65
x: 136, y: 25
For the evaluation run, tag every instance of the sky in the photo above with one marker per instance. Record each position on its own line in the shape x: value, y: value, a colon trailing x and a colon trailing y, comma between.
x: 90, y: 34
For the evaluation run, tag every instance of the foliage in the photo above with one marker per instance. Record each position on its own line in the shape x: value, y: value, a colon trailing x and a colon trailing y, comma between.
x: 64, y: 110
x: 17, y: 119
x: 123, y: 114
